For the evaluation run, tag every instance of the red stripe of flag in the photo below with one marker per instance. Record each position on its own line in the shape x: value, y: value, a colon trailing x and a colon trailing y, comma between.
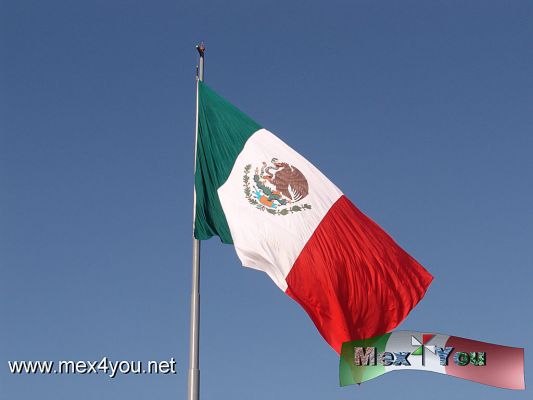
x: 352, y: 279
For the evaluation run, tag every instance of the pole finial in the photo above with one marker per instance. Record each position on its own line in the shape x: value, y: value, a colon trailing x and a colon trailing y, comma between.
x: 201, y: 49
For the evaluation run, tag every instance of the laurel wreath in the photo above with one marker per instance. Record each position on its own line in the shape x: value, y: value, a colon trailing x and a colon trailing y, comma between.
x: 259, y: 206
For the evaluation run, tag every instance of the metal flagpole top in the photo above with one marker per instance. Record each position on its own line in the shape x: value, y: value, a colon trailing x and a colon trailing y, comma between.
x: 200, y: 71
x: 201, y: 48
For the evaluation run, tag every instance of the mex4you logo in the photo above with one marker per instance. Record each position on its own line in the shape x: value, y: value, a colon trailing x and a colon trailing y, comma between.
x: 420, y: 347
x: 482, y: 362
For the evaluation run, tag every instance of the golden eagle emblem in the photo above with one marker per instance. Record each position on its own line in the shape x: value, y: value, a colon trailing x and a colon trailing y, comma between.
x: 276, y: 187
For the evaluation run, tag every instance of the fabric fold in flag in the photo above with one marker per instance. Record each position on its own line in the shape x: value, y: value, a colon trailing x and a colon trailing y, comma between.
x: 287, y: 219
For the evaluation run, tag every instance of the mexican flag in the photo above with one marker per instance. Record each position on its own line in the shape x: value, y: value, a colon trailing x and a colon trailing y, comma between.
x: 287, y: 219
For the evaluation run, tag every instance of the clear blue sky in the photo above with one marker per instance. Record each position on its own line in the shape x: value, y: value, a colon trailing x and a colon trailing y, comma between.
x: 420, y: 111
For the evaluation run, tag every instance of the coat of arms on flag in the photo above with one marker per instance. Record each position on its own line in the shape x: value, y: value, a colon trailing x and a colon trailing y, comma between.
x: 276, y: 187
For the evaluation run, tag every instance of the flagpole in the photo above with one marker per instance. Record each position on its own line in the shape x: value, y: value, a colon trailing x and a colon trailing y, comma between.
x: 193, y: 392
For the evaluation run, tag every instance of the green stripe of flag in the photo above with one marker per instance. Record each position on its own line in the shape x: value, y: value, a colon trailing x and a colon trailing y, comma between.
x: 222, y: 132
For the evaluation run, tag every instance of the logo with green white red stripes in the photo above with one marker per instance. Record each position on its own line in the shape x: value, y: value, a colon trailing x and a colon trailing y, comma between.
x: 482, y: 362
